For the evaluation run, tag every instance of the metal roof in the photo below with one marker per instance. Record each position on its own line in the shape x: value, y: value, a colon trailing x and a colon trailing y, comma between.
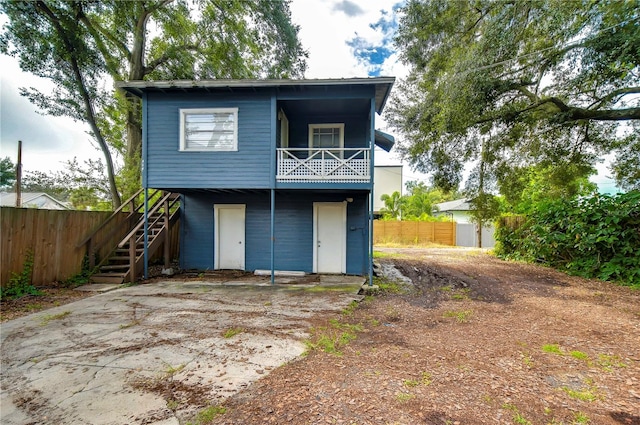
x: 382, y: 85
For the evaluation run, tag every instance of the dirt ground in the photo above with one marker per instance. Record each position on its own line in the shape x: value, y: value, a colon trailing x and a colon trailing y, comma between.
x: 469, y: 340
x: 474, y: 340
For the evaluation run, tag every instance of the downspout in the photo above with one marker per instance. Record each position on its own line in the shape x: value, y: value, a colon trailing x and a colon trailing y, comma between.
x: 145, y: 254
x: 371, y: 200
x: 273, y: 144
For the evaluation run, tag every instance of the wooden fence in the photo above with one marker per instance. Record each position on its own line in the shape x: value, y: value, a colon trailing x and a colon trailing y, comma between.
x: 414, y: 232
x: 52, y: 236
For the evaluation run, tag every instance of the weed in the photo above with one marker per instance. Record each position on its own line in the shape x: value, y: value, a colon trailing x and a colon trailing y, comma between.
x: 521, y: 420
x: 332, y: 337
x: 460, y: 316
x: 446, y: 288
x: 427, y: 379
x: 589, y: 394
x: 231, y: 332
x: 46, y: 319
x: 580, y: 418
x: 173, y: 404
x: 552, y: 349
x: 608, y: 362
x: 461, y: 295
x: 20, y: 284
x: 374, y: 322
x: 388, y: 286
x: 410, y: 383
x: 350, y: 308
x: 392, y: 314
x: 268, y: 304
x: 171, y: 370
x: 404, y: 397
x: 84, y: 275
x: 207, y: 415
x: 579, y: 355
x: 547, y: 411
x: 33, y: 307
x: 527, y: 360
x: 517, y: 416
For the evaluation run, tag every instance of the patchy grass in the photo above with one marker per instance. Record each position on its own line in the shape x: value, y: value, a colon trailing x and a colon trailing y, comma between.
x: 44, y: 320
x: 608, y: 362
x: 404, y: 397
x: 552, y: 349
x: 207, y: 415
x: 579, y: 355
x: 518, y: 418
x: 460, y: 316
x: 333, y: 337
x: 231, y: 332
x: 589, y: 394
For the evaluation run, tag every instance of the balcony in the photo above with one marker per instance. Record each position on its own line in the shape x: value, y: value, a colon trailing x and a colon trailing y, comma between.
x: 306, y: 165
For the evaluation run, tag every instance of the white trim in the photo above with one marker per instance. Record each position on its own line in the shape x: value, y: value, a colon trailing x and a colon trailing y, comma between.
x: 203, y: 111
x: 330, y: 125
x: 343, y: 234
x: 284, y: 129
x: 216, y: 227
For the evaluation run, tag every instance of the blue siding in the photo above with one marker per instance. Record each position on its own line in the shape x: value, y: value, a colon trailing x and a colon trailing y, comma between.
x: 249, y: 167
x: 355, y: 129
x: 293, y: 230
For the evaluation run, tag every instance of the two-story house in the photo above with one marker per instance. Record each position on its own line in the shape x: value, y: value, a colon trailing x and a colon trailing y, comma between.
x: 273, y: 174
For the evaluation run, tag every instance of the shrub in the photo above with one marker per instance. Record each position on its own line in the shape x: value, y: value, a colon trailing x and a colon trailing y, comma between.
x: 598, y: 236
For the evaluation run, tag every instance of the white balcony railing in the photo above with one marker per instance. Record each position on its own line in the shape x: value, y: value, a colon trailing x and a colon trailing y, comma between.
x: 301, y: 165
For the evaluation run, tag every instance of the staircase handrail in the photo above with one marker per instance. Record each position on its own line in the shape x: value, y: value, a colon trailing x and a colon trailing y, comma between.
x: 156, y: 206
x: 112, y: 216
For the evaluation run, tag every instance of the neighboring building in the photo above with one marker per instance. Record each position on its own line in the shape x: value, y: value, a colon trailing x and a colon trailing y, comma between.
x: 39, y: 200
x: 386, y: 180
x: 466, y: 232
x: 273, y: 174
x: 458, y: 210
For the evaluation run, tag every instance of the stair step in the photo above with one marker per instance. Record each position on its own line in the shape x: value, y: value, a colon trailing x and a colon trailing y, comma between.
x: 126, y: 250
x: 115, y: 267
x: 107, y: 278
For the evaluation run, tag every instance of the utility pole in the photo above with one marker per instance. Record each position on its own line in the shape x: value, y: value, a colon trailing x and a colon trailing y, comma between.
x: 19, y: 176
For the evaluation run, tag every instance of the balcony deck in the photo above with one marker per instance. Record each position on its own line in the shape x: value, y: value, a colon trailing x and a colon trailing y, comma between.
x: 306, y: 165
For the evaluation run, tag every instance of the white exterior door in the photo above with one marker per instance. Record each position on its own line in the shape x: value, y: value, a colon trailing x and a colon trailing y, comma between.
x: 229, y: 240
x: 330, y: 237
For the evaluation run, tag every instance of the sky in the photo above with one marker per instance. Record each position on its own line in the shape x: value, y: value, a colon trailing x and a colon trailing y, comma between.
x: 344, y: 39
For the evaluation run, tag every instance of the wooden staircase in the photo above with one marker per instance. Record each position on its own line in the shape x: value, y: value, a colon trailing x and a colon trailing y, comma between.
x: 125, y: 261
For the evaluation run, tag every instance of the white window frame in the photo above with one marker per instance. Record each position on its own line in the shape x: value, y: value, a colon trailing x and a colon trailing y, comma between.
x: 204, y: 111
x: 331, y: 125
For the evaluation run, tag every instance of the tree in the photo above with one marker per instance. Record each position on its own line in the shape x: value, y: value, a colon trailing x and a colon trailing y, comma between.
x: 214, y: 39
x: 421, y: 199
x: 7, y: 173
x: 51, y: 43
x: 548, y: 80
x: 393, y: 205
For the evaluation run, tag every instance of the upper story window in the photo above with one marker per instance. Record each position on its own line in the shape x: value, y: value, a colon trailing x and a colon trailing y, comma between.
x: 210, y: 129
x: 326, y: 136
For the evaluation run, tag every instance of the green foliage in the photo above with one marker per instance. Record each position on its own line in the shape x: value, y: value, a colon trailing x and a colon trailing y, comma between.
x: 207, y: 415
x: 417, y: 205
x: 7, y: 173
x: 20, y: 284
x: 77, y: 44
x: 84, y: 275
x: 598, y: 236
x: 550, y: 81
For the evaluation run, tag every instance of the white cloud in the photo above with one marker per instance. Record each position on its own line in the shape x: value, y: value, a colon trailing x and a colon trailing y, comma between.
x: 46, y: 141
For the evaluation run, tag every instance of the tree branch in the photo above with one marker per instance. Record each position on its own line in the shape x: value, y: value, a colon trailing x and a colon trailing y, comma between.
x: 616, y: 93
x: 94, y: 28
